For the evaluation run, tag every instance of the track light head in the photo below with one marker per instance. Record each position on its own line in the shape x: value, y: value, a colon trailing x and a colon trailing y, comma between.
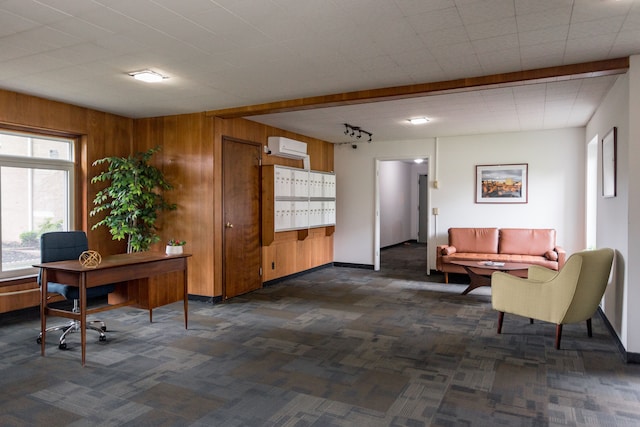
x: 356, y: 131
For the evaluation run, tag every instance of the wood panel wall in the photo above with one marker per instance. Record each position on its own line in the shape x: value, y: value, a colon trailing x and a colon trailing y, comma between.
x: 191, y: 158
x: 288, y: 254
x: 186, y: 159
x: 98, y: 134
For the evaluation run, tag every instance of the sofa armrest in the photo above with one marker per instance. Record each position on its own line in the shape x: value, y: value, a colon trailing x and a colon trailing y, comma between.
x: 562, y: 256
x: 445, y: 250
x: 440, y: 251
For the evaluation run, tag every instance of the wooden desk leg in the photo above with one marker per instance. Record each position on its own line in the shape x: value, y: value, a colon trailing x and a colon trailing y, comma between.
x: 185, y: 296
x: 43, y: 310
x: 83, y: 315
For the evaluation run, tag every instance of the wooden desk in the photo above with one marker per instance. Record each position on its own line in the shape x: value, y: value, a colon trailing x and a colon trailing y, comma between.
x: 112, y: 269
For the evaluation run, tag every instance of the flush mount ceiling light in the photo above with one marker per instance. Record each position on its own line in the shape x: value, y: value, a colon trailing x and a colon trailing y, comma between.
x: 418, y: 161
x: 147, y: 76
x: 418, y: 120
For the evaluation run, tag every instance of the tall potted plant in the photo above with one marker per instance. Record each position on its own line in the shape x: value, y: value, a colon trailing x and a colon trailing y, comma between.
x: 132, y: 200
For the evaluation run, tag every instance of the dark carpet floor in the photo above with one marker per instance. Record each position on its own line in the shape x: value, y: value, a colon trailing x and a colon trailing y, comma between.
x: 334, y: 347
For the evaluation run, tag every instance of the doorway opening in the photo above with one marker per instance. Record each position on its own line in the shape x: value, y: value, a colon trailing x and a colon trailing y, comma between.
x: 401, y: 207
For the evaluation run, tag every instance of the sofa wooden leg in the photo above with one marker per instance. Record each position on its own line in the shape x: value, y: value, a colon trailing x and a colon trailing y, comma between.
x: 558, y: 336
x: 500, y: 319
x: 530, y: 321
x: 589, y: 329
x: 446, y: 278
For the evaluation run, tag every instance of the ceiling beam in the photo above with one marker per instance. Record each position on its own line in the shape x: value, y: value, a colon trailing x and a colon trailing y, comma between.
x: 563, y: 72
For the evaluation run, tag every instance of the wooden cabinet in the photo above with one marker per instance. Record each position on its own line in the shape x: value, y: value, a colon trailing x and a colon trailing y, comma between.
x: 298, y: 220
x: 296, y: 199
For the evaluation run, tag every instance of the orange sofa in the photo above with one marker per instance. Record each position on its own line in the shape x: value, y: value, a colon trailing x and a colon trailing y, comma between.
x: 527, y: 245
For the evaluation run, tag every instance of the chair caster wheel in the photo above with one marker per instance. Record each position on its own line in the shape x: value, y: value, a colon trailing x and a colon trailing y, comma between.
x: 102, y: 338
x: 39, y: 340
x: 62, y: 346
x: 104, y: 328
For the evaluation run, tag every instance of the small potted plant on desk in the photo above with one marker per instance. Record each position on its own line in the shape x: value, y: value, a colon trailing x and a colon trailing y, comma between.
x: 174, y: 247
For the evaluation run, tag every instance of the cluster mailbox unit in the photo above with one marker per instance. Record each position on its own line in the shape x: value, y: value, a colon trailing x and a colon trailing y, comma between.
x: 302, y: 198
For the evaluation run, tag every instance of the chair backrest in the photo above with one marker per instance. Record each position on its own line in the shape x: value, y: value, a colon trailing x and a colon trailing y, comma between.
x: 594, y: 270
x: 62, y: 246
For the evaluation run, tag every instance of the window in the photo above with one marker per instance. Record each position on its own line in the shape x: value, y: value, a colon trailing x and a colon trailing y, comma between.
x: 36, y: 187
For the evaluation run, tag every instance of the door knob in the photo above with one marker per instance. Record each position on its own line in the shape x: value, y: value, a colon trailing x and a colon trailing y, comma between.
x: 229, y: 225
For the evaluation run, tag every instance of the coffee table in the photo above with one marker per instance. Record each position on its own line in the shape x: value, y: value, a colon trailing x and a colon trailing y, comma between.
x: 479, y: 276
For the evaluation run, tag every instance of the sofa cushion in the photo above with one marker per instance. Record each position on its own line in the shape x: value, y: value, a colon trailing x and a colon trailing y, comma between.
x: 479, y: 257
x: 527, y: 241
x: 474, y: 240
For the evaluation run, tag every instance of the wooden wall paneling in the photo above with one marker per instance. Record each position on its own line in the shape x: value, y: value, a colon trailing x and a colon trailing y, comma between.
x: 188, y: 165
x: 106, y: 136
x: 186, y: 158
x: 289, y: 253
x: 269, y: 263
x: 280, y: 258
x: 99, y: 134
x: 218, y: 132
x: 287, y: 257
x: 19, y: 294
x: 40, y: 113
x: 268, y: 204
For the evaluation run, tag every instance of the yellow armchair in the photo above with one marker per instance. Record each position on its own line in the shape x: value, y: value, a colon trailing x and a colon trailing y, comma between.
x: 566, y: 296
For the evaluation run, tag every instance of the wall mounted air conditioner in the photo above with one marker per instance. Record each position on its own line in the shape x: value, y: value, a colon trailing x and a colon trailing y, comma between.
x: 285, y: 147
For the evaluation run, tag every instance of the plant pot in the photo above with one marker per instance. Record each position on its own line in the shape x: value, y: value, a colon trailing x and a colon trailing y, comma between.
x: 173, y: 250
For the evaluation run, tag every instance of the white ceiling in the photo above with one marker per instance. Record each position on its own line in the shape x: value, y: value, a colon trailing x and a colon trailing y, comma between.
x: 229, y: 53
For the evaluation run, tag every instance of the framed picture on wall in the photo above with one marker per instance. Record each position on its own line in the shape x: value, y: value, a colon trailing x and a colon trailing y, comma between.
x: 502, y: 183
x: 609, y: 149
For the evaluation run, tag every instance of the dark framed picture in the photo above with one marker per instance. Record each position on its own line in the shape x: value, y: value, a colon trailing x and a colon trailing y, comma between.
x: 502, y: 183
x: 609, y: 153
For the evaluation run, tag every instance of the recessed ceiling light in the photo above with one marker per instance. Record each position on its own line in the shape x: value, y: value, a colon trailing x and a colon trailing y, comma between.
x: 418, y: 120
x: 147, y: 76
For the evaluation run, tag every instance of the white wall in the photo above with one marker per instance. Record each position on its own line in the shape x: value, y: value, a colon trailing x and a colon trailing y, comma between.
x: 618, y: 218
x: 556, y: 187
x: 395, y: 202
x: 355, y: 176
x: 556, y: 160
x: 612, y: 213
x: 633, y: 290
x: 556, y: 177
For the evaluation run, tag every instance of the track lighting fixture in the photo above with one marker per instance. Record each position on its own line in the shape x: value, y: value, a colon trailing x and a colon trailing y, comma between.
x: 356, y: 132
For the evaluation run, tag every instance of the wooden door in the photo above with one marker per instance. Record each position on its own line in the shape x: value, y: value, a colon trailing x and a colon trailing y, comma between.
x: 241, y: 217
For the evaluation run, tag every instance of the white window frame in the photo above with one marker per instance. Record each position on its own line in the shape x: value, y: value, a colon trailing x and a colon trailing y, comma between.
x: 24, y: 162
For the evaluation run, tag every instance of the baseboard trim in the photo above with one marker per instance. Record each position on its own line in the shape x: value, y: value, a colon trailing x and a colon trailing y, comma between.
x: 627, y: 356
x: 351, y: 265
x: 294, y: 275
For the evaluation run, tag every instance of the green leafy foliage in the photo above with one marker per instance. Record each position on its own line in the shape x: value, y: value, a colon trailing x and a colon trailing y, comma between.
x: 133, y: 199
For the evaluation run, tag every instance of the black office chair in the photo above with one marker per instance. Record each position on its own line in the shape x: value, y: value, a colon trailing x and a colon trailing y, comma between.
x: 63, y: 246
